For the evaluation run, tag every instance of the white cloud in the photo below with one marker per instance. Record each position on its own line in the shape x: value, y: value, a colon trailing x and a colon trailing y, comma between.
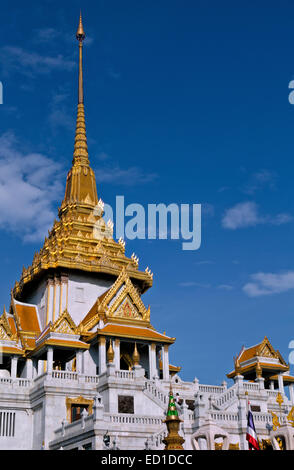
x: 60, y: 117
x: 29, y: 63
x: 246, y: 214
x: 260, y: 180
x: 200, y: 263
x: 225, y: 287
x: 194, y: 284
x: 269, y: 283
x: 29, y: 184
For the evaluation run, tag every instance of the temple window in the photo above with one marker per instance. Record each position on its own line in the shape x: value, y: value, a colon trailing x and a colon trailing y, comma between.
x: 76, y: 411
x: 80, y: 294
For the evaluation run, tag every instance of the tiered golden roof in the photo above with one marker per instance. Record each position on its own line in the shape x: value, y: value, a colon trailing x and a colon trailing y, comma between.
x: 81, y: 239
x: 261, y: 360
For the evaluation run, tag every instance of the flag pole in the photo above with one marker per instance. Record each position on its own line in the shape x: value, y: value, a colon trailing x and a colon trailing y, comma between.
x: 247, y: 409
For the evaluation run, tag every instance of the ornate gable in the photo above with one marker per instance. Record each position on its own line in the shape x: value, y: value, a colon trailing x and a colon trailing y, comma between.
x: 64, y: 324
x: 265, y: 349
x: 121, y: 303
x: 5, y: 330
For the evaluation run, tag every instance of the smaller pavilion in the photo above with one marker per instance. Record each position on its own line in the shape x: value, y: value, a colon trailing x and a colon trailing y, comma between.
x: 262, y: 361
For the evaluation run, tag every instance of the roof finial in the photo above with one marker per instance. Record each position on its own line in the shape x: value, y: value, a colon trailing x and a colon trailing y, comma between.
x: 80, y: 37
x: 80, y: 32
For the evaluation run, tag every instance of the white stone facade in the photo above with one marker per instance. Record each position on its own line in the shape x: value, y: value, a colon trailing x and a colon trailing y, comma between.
x: 33, y: 411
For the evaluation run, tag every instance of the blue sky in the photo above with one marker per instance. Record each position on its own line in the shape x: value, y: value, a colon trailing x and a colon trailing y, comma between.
x: 186, y: 102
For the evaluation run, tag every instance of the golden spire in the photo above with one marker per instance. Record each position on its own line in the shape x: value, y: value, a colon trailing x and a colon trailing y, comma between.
x: 136, y: 356
x: 173, y: 440
x: 258, y: 370
x: 81, y: 183
x: 110, y: 353
x: 80, y: 37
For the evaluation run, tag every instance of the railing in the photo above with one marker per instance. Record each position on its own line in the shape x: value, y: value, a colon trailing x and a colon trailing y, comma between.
x: 272, y: 393
x: 250, y: 386
x: 212, y: 389
x: 92, y: 379
x: 5, y: 381
x: 133, y: 419
x: 226, y: 397
x: 221, y: 416
x: 64, y: 375
x: 160, y: 397
x: 124, y: 374
x: 15, y: 382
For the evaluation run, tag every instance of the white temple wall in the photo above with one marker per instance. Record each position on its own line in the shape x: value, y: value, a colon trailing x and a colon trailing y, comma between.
x: 90, y: 358
x: 16, y: 427
x: 77, y: 293
x: 83, y: 291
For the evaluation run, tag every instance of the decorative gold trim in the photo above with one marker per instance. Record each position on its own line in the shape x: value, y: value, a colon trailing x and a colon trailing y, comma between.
x: 77, y: 401
x: 64, y: 324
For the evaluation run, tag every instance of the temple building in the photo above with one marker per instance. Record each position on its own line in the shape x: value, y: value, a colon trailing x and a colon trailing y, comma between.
x: 82, y: 367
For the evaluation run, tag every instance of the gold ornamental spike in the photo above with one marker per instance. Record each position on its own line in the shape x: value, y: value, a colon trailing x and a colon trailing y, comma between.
x: 80, y: 32
x: 80, y: 184
x: 110, y: 353
x: 136, y: 356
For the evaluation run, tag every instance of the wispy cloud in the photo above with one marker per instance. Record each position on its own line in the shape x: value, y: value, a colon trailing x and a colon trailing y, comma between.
x: 246, y: 214
x: 261, y: 179
x: 126, y: 177
x: 31, y: 63
x: 194, y: 284
x: 269, y: 283
x: 29, y: 184
x: 49, y: 35
x: 200, y: 263
x: 59, y: 116
x: 225, y: 287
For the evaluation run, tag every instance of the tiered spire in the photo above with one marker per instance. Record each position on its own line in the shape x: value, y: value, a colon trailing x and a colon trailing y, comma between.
x: 81, y: 239
x: 81, y: 183
x: 173, y: 441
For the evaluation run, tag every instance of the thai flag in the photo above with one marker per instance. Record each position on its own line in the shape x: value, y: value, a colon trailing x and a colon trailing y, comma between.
x: 251, y: 436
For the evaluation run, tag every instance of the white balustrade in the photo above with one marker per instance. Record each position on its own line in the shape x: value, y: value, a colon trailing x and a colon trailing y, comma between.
x: 125, y: 374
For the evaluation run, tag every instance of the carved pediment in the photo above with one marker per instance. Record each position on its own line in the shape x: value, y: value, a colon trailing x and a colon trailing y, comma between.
x: 64, y: 324
x: 5, y: 330
x: 121, y: 301
x: 266, y: 350
x: 124, y: 301
x: 127, y: 310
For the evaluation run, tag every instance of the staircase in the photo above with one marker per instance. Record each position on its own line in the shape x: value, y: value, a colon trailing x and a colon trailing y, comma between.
x: 156, y: 394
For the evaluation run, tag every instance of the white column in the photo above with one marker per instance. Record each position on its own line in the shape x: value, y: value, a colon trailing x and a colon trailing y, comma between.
x: 63, y: 292
x: 57, y: 298
x: 291, y: 391
x: 152, y: 361
x: 117, y: 354
x: 40, y: 367
x: 281, y: 383
x: 102, y: 355
x: 49, y: 303
x: 35, y: 367
x: 79, y: 358
x: 165, y: 362
x: 13, y: 372
x: 49, y: 360
x: 29, y: 369
x: 272, y: 385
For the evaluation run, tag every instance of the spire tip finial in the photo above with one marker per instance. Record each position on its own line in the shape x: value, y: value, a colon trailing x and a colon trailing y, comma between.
x: 80, y: 32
